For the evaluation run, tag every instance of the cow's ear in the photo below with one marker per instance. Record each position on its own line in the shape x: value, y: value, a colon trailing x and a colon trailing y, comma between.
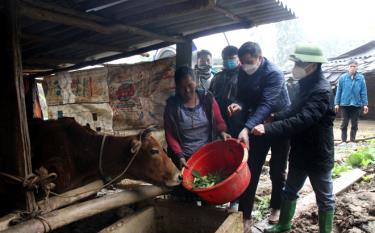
x: 136, y: 146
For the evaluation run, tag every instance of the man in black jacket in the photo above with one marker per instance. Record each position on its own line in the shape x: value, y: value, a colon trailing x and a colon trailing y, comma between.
x: 261, y: 90
x: 309, y: 122
x: 224, y: 87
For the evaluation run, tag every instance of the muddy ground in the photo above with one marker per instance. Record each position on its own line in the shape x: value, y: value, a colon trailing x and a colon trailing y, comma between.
x: 355, y: 207
x: 355, y: 211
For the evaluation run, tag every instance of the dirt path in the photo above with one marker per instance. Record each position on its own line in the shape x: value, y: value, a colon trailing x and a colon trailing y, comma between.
x: 366, y: 129
x: 355, y: 211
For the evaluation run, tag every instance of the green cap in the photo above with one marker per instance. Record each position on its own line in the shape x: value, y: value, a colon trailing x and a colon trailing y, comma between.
x: 308, y: 53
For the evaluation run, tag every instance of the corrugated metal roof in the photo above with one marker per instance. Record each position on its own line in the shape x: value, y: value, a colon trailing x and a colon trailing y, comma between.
x: 364, y: 55
x: 361, y: 51
x: 58, y: 33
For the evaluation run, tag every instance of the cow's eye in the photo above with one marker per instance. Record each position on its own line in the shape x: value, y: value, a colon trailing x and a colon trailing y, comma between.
x: 154, y: 151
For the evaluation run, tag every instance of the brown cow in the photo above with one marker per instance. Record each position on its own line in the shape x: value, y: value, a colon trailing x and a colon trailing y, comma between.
x: 72, y: 151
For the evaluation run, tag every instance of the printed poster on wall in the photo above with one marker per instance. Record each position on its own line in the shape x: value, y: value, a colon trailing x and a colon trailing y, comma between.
x: 84, y: 86
x: 137, y: 93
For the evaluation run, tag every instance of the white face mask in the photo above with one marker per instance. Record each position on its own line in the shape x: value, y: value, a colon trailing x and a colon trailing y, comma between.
x: 250, y: 69
x: 298, y: 73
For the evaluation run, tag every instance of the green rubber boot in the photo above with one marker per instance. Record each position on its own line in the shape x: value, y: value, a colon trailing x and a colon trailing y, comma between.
x: 285, y: 220
x: 325, y: 221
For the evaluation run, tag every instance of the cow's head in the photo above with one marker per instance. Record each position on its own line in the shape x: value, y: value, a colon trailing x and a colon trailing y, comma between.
x: 156, y: 166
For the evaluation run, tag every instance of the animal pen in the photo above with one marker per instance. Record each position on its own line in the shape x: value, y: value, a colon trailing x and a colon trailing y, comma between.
x: 47, y: 37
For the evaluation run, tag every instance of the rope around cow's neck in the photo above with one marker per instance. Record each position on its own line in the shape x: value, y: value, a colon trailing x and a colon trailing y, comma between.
x: 110, y: 182
x: 101, y: 171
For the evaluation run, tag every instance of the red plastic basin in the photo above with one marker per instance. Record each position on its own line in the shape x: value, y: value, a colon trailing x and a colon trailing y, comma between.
x: 228, y: 156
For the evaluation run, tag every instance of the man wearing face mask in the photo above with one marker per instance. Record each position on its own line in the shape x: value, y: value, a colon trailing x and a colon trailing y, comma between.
x: 309, y: 123
x: 203, y: 70
x: 224, y: 87
x: 261, y: 92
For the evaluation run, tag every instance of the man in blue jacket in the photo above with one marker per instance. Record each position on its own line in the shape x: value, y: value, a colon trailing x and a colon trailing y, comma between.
x: 261, y: 92
x: 351, y: 96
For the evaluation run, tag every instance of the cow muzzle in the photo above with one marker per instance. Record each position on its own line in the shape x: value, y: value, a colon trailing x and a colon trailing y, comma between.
x: 176, y: 180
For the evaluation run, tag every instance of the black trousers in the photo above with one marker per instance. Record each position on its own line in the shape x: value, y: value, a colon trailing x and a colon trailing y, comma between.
x: 259, y: 147
x: 349, y: 113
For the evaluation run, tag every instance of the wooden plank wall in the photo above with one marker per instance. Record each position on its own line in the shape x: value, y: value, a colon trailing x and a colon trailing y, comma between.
x: 15, y: 154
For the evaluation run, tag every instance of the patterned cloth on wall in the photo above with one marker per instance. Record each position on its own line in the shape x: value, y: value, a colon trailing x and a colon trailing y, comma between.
x: 84, y: 86
x: 98, y: 116
x: 137, y: 93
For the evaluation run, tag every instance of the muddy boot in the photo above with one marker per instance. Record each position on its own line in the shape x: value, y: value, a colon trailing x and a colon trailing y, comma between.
x: 285, y: 220
x: 325, y: 221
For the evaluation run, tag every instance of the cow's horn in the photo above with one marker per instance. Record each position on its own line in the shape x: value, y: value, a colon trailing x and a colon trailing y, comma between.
x: 148, y: 130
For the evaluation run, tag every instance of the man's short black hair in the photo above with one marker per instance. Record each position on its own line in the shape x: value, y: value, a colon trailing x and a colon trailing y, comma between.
x: 204, y: 52
x: 353, y: 62
x: 229, y: 51
x: 183, y: 72
x: 250, y: 47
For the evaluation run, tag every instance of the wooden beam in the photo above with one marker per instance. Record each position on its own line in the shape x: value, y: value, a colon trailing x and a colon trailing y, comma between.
x: 184, y: 54
x: 84, y: 21
x: 74, y: 43
x: 15, y: 148
x: 62, y: 217
x: 52, y: 46
x: 141, y: 221
x: 146, y: 49
x: 54, y: 61
x: 103, y: 60
x: 5, y: 220
x: 70, y: 197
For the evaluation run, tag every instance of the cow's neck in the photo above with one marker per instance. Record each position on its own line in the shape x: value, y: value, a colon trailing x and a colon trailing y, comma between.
x: 116, y: 154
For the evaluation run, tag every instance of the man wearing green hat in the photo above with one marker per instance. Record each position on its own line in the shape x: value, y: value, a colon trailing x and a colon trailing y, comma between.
x: 309, y: 123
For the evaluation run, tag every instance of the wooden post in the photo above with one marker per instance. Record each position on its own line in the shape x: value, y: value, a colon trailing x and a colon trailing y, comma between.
x: 15, y: 154
x: 61, y: 217
x: 184, y: 55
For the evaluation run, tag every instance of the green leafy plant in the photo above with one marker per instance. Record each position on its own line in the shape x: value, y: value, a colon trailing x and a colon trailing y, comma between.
x: 368, y: 178
x: 362, y: 158
x: 208, y: 180
x: 338, y: 169
x: 262, y: 207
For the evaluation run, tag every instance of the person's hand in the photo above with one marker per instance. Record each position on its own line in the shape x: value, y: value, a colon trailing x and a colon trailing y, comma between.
x: 224, y: 136
x: 337, y: 108
x: 244, y: 137
x: 182, y: 163
x: 365, y: 109
x: 233, y: 108
x: 259, y: 130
